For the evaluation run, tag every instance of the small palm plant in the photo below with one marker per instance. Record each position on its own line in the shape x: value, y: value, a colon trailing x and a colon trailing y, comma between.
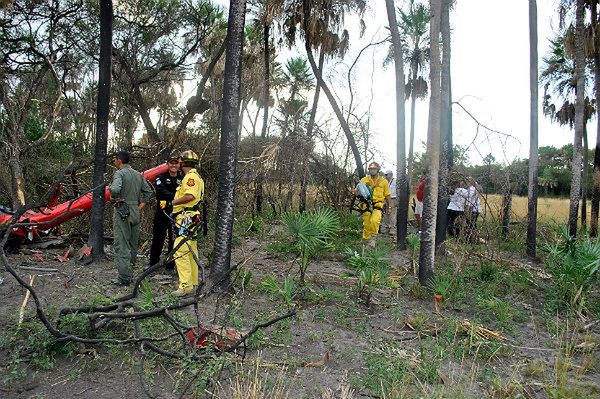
x: 312, y: 232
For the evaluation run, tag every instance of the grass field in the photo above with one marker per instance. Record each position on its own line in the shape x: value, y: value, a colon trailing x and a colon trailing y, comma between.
x: 549, y: 209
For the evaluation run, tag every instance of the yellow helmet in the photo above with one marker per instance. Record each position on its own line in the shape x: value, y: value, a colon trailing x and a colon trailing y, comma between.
x: 189, y: 158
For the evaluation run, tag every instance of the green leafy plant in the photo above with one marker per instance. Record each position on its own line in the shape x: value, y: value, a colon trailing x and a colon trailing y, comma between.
x: 370, y: 270
x: 573, y: 265
x: 440, y: 284
x: 312, y: 232
x: 413, y: 244
x: 286, y: 290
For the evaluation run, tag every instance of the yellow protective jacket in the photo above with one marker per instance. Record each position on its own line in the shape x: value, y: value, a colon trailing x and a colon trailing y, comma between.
x: 380, y: 187
x: 192, y: 184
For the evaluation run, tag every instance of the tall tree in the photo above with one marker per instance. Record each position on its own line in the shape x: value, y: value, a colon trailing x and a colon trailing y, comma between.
x: 221, y: 263
x: 317, y: 34
x: 96, y: 239
x: 269, y: 10
x: 402, y: 184
x: 427, y: 250
x: 579, y: 116
x: 596, y: 67
x: 309, y: 139
x: 445, y: 129
x: 532, y: 191
x: 415, y: 32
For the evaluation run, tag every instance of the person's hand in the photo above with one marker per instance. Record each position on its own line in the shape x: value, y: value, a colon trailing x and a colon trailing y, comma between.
x: 142, y: 205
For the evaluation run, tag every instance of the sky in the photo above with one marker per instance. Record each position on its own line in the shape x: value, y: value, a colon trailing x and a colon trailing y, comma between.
x: 490, y: 78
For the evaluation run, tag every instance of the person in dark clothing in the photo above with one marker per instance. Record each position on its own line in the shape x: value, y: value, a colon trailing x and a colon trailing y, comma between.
x: 165, y: 186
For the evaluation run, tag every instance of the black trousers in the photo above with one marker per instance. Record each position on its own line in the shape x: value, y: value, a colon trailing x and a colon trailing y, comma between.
x: 161, y: 229
x: 454, y: 222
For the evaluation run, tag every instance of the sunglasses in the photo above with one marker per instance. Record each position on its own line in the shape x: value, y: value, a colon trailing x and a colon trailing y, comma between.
x: 174, y: 162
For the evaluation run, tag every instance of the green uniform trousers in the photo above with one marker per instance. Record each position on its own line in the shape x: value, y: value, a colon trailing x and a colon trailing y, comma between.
x: 126, y: 236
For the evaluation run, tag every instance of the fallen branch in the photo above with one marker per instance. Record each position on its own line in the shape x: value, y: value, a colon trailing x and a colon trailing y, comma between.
x: 25, y: 300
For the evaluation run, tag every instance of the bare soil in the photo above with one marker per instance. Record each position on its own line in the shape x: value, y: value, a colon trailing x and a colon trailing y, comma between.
x: 327, y: 345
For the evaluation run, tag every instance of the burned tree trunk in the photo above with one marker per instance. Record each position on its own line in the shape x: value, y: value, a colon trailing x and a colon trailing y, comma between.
x: 96, y: 239
x: 221, y: 263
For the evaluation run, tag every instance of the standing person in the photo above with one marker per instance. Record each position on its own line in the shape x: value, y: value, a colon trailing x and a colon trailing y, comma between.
x: 390, y: 216
x: 473, y: 206
x: 381, y: 192
x: 456, y: 209
x: 165, y: 186
x: 130, y: 193
x: 186, y: 212
x: 419, y: 201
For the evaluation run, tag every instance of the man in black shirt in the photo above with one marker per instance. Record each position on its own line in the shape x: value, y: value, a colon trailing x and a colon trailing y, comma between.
x: 165, y: 186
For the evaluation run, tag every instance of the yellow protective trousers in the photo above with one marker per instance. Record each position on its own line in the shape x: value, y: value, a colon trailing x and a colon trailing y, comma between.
x: 185, y: 262
x: 371, y: 222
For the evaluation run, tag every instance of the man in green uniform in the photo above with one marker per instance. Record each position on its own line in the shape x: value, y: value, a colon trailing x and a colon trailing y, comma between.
x: 130, y: 193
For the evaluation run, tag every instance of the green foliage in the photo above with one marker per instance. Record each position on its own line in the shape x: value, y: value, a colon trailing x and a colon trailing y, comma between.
x: 285, y: 291
x: 243, y: 277
x: 370, y: 270
x: 441, y: 283
x: 251, y: 225
x: 390, y: 366
x: 573, y: 265
x: 30, y: 343
x: 312, y: 232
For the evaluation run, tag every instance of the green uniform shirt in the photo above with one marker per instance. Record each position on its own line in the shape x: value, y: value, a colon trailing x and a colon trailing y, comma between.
x: 130, y: 186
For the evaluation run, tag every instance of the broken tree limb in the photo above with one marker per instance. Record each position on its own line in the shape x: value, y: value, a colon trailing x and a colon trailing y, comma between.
x: 25, y: 300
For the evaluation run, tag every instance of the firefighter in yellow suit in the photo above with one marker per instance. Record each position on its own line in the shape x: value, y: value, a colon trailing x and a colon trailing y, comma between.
x: 187, y: 220
x: 381, y: 193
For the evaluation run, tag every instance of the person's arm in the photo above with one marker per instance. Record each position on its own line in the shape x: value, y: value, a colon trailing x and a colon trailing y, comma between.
x: 388, y: 201
x: 146, y: 193
x: 183, y: 199
x: 116, y: 185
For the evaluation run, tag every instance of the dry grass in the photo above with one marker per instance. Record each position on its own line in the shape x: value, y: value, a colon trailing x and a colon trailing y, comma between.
x: 550, y: 210
x: 253, y: 385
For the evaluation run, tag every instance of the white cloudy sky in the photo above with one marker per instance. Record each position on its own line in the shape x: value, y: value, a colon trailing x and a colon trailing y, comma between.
x: 490, y: 77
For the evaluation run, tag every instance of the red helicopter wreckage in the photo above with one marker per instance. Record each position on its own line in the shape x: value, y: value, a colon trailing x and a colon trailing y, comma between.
x: 32, y: 225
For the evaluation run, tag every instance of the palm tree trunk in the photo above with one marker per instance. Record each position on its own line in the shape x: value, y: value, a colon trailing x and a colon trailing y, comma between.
x: 221, y: 263
x: 445, y: 130
x: 402, y: 183
x: 579, y: 117
x: 427, y: 250
x: 596, y: 175
x: 309, y: 135
x: 585, y: 179
x: 96, y: 238
x: 332, y: 101
x: 266, y: 94
x: 532, y: 189
x: 411, y: 144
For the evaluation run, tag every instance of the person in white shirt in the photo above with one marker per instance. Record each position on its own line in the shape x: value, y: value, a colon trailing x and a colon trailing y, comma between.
x: 390, y: 216
x: 456, y: 210
x: 472, y: 207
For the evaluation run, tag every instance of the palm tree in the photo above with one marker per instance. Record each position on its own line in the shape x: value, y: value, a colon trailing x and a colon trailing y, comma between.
x: 267, y: 12
x: 309, y: 137
x: 414, y: 26
x: 96, y: 238
x: 596, y: 64
x: 221, y: 263
x: 561, y: 78
x: 427, y: 249
x: 402, y: 186
x: 317, y: 29
x: 445, y: 129
x: 532, y: 191
x: 579, y: 116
